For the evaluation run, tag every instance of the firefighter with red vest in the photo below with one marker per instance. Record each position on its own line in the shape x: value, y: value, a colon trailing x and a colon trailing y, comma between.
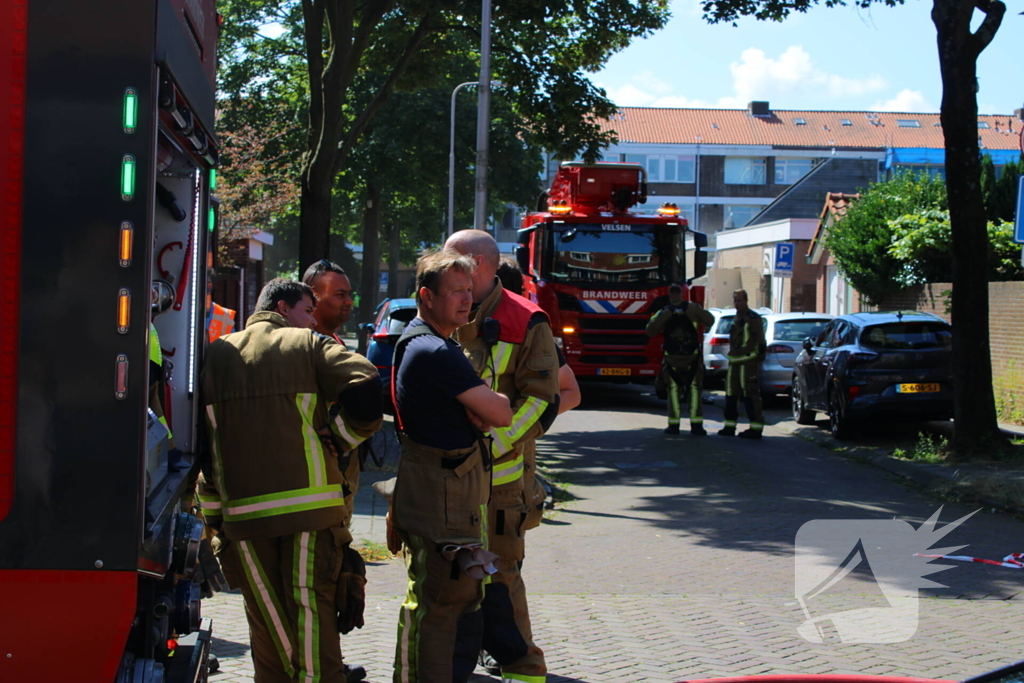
x: 509, y: 342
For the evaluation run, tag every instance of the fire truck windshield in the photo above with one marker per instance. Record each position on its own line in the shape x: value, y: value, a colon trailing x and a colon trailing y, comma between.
x: 613, y: 253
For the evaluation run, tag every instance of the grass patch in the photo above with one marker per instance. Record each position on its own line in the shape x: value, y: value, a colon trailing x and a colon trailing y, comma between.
x: 933, y: 449
x: 1009, y: 402
x: 374, y: 552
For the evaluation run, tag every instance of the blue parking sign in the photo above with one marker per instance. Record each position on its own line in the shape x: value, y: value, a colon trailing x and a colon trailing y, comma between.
x: 1018, y: 223
x: 784, y: 253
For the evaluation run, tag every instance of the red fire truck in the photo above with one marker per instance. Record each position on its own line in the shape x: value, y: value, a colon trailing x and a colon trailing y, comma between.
x: 107, y: 159
x: 600, y: 270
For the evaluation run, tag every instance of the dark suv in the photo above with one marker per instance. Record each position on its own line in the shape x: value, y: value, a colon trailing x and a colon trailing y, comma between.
x: 883, y: 366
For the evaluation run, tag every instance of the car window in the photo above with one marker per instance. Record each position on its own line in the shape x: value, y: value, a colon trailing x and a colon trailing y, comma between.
x: 725, y: 324
x: 825, y: 336
x: 797, y: 330
x: 382, y: 313
x: 400, y: 317
x: 898, y: 335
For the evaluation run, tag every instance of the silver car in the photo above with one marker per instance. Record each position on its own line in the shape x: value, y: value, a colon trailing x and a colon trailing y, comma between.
x: 716, y: 341
x: 785, y: 333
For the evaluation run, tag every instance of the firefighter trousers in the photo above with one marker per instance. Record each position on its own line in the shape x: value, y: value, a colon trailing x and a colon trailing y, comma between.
x: 508, y: 636
x: 289, y: 586
x: 743, y: 380
x: 439, y: 624
x: 685, y: 379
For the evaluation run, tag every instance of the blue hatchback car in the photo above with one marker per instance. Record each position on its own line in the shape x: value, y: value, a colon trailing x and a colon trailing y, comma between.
x: 393, y: 316
x: 875, y: 366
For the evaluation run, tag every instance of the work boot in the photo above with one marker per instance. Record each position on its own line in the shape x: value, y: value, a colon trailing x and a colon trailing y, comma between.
x: 750, y: 434
x: 354, y: 674
x: 727, y: 431
x: 698, y: 430
x: 672, y: 430
x: 488, y: 663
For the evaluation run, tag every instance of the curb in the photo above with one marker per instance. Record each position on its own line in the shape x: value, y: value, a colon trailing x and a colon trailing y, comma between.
x: 940, y: 479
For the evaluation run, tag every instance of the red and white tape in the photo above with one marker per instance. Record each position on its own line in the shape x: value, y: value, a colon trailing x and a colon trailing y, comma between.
x: 1013, y: 560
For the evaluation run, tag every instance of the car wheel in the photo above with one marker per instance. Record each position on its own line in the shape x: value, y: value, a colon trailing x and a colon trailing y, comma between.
x: 839, y: 423
x: 800, y: 413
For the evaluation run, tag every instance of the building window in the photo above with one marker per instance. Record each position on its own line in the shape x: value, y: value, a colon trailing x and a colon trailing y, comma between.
x: 638, y: 258
x: 738, y: 215
x: 908, y: 123
x: 788, y: 171
x: 800, y: 122
x: 983, y: 124
x: 666, y: 168
x: 581, y: 256
x: 846, y: 122
x: 745, y: 170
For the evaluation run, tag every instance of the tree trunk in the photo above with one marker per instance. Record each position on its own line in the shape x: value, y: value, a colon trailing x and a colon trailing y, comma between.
x: 314, y: 220
x: 976, y: 433
x: 369, y: 284
x: 394, y: 260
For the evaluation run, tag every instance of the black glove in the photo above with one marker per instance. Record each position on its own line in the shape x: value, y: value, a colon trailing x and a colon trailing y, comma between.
x: 350, y: 596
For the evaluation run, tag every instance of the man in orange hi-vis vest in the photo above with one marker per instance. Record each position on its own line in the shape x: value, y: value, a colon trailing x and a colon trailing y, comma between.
x: 220, y: 322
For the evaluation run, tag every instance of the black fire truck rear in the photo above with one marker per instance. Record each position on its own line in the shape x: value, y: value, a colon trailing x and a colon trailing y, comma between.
x: 106, y: 167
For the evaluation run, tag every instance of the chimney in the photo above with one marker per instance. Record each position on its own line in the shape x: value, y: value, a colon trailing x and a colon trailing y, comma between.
x: 760, y: 109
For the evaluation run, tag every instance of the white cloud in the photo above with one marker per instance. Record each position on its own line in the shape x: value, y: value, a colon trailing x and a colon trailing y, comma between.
x: 907, y: 101
x: 793, y: 77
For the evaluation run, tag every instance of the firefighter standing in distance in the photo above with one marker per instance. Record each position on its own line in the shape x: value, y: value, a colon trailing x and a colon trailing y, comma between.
x: 439, y: 505
x: 683, y: 363
x: 273, y: 492
x: 509, y: 342
x: 743, y: 378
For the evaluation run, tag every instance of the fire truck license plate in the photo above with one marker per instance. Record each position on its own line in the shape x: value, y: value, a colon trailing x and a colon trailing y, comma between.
x: 613, y: 371
x: 916, y: 388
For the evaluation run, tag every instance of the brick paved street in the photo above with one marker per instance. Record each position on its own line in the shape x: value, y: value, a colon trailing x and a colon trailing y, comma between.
x: 675, y: 561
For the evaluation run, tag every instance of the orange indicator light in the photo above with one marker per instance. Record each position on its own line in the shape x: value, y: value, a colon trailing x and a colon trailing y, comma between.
x: 126, y: 244
x: 124, y: 299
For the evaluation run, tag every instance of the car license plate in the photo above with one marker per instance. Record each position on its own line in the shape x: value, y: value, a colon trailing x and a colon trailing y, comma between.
x: 916, y: 388
x: 613, y: 371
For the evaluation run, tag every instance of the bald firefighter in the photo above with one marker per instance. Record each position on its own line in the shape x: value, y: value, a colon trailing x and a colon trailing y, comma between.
x: 508, y: 340
x: 678, y: 320
x: 274, y: 493
x: 439, y: 506
x: 743, y: 378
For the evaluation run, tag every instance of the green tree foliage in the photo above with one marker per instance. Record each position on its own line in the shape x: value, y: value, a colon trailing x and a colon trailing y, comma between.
x: 337, y: 63
x: 860, y: 242
x: 1000, y: 193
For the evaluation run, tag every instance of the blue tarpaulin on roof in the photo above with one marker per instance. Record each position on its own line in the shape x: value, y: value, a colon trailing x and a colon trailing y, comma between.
x: 937, y: 157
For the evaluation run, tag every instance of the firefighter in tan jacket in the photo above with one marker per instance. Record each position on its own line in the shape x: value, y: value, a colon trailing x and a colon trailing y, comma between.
x: 743, y: 378
x: 272, y: 490
x: 509, y: 342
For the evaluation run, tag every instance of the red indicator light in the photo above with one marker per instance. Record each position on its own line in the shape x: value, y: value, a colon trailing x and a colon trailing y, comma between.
x: 121, y: 377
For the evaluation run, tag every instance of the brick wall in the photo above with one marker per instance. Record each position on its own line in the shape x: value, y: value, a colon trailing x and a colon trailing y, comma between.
x: 1006, y: 324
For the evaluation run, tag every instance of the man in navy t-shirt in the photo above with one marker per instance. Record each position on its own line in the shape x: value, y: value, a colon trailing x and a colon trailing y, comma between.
x: 443, y: 485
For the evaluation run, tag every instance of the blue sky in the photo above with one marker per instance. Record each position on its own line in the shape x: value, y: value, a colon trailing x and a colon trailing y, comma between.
x: 882, y: 59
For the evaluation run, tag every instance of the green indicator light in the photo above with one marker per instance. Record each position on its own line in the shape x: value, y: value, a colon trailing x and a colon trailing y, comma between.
x: 213, y: 179
x: 131, y: 110
x: 127, y: 177
x: 213, y: 219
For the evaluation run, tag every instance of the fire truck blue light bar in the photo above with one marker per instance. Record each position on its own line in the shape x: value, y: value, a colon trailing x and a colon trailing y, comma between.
x: 127, y: 177
x: 131, y: 110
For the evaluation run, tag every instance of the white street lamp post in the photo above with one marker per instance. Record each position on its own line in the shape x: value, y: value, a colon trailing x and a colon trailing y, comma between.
x: 451, y: 155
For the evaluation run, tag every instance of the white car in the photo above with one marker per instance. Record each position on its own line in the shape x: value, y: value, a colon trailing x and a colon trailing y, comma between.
x: 716, y: 341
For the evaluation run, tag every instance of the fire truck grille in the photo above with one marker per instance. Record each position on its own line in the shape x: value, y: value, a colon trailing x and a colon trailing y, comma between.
x: 613, y: 339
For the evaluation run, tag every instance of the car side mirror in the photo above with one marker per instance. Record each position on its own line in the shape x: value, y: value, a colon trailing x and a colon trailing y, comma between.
x: 808, y: 345
x: 366, y: 327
